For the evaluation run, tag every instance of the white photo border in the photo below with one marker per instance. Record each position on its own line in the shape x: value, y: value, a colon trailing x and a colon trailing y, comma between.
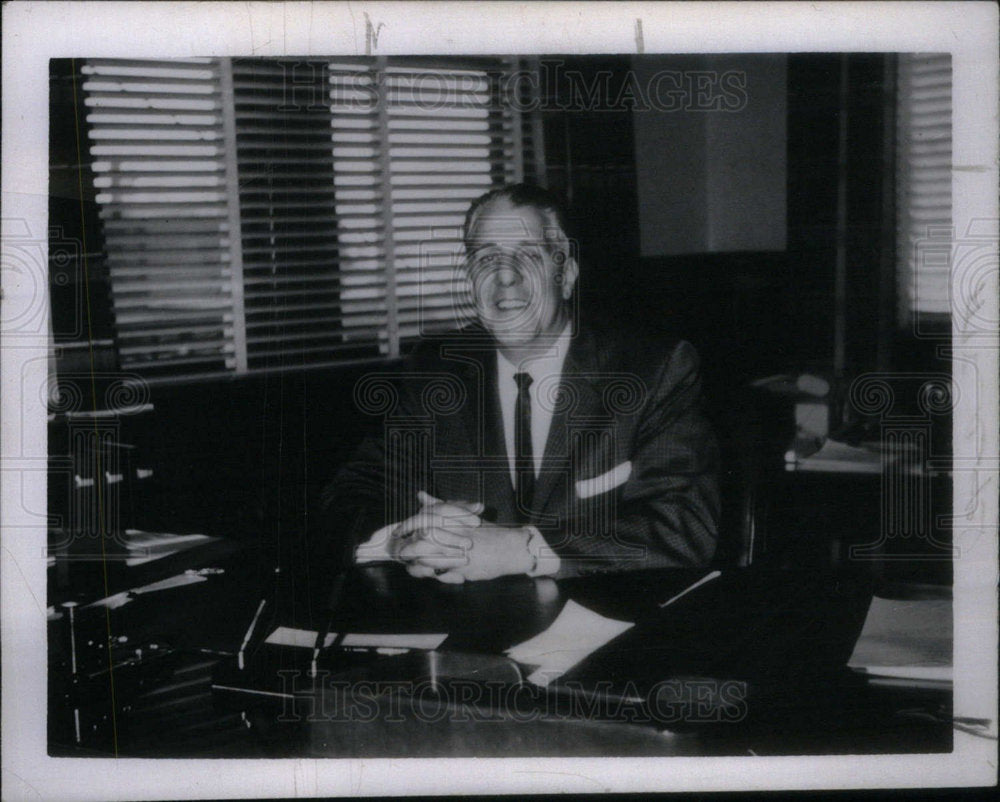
x: 35, y: 32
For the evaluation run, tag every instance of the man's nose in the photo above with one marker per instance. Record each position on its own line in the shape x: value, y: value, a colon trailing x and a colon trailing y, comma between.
x: 508, y: 273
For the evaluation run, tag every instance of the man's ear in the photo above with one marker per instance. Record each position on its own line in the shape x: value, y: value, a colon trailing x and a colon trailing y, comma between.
x: 570, y: 273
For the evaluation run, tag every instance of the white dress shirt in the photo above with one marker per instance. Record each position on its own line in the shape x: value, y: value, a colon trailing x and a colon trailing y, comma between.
x: 545, y: 370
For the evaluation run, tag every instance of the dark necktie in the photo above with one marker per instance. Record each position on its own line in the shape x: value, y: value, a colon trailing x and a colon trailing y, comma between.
x: 524, y: 462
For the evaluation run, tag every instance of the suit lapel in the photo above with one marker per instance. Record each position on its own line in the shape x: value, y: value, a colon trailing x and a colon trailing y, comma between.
x: 498, y: 492
x: 481, y: 435
x: 579, y: 399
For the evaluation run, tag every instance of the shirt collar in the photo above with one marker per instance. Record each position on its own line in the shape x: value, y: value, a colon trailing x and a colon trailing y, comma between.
x: 545, y: 363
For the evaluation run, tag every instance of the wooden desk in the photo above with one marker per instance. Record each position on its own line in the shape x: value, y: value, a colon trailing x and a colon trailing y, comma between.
x: 173, y: 712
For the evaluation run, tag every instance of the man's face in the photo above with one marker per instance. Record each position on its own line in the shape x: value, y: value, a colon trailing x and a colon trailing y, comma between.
x: 521, y: 272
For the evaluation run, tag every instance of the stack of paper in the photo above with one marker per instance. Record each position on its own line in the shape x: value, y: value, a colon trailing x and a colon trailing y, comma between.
x: 908, y: 642
x: 576, y: 633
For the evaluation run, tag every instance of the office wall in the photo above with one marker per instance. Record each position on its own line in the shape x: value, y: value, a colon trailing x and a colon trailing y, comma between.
x: 711, y: 158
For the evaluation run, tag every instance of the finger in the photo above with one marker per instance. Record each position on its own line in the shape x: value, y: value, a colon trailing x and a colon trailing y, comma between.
x: 450, y: 577
x: 419, y: 520
x: 464, y: 507
x: 454, y: 512
x: 405, y: 528
x: 431, y: 546
x: 426, y: 499
x: 445, y: 537
x: 398, y: 543
x: 467, y: 507
x: 435, y: 539
x: 419, y: 571
x: 458, y: 515
x: 444, y: 562
x: 427, y: 520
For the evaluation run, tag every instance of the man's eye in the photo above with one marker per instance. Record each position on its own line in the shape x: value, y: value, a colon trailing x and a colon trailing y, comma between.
x: 483, y: 261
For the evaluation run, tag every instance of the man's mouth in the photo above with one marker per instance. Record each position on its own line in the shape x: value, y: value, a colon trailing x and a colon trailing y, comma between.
x: 511, y: 304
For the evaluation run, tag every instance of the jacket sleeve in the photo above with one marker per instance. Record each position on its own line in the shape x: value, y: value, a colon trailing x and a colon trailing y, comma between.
x: 668, y: 510
x: 374, y: 487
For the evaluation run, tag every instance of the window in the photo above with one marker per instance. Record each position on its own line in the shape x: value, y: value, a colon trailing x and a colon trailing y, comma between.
x: 923, y: 195
x: 263, y: 213
x: 158, y: 143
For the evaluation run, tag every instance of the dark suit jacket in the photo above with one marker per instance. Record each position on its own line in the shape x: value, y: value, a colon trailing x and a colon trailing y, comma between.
x: 623, y: 407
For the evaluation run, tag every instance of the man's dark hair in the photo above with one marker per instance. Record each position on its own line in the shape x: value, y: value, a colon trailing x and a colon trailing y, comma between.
x: 520, y: 195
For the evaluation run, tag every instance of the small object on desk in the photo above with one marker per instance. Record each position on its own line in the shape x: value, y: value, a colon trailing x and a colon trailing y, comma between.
x: 803, y: 447
x: 144, y: 547
x: 119, y: 599
x: 790, y: 385
x: 336, y: 592
x: 100, y: 414
x: 707, y: 578
x: 72, y: 633
x: 834, y: 457
x: 812, y: 385
x: 250, y: 631
x: 304, y: 638
x: 415, y: 640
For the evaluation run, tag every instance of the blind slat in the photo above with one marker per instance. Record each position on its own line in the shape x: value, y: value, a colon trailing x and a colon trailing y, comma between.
x: 923, y: 191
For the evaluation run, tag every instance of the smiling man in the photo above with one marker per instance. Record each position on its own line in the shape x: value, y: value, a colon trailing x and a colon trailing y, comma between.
x: 549, y: 447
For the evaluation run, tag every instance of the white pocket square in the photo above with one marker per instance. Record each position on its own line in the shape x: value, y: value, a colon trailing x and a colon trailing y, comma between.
x: 585, y: 488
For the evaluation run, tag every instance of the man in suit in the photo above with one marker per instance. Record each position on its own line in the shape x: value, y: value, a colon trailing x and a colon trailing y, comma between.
x: 529, y: 443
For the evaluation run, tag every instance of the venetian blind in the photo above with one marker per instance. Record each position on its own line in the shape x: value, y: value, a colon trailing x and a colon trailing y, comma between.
x: 291, y: 251
x: 158, y: 147
x: 272, y: 213
x: 923, y: 201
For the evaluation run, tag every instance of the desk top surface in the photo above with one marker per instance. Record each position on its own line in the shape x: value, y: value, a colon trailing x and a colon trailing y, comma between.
x: 769, y: 627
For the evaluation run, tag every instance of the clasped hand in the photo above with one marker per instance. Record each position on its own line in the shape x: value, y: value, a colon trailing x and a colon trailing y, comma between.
x: 450, y: 541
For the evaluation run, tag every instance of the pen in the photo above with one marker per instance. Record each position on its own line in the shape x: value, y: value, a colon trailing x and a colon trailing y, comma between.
x: 320, y: 637
x: 337, y: 587
x: 253, y: 626
x: 687, y: 590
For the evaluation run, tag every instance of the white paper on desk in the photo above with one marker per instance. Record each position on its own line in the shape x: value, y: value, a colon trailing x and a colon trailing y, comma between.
x: 906, y: 639
x: 287, y: 636
x: 415, y: 640
x: 913, y: 673
x: 305, y: 638
x: 576, y: 633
